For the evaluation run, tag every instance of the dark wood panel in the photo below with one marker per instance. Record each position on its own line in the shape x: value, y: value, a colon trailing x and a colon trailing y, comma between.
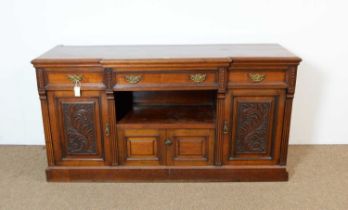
x: 80, y: 125
x: 254, y: 120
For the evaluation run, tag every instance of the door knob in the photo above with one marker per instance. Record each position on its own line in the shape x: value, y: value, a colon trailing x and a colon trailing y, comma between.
x: 168, y: 142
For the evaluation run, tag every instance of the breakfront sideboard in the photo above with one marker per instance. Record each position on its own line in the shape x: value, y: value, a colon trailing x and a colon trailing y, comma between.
x: 167, y: 113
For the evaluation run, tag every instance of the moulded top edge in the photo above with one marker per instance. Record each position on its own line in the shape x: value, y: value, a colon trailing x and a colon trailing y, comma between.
x: 166, y: 54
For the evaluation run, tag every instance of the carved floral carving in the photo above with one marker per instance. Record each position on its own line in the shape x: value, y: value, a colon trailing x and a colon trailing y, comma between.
x: 252, y: 130
x: 79, y: 128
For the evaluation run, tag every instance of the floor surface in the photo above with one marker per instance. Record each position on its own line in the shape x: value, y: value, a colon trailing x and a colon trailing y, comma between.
x: 318, y: 180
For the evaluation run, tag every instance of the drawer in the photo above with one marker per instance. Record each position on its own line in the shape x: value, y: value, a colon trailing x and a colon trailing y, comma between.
x: 64, y: 79
x: 257, y: 77
x: 170, y: 80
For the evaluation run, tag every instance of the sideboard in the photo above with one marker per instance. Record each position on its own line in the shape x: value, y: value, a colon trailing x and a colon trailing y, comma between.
x: 167, y: 112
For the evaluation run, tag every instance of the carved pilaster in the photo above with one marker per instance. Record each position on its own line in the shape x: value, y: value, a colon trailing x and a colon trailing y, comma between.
x: 291, y: 79
x: 41, y: 83
x: 40, y: 79
x: 220, y: 105
x: 109, y: 81
x: 222, y: 80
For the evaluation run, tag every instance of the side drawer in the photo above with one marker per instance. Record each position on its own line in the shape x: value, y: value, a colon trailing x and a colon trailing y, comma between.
x: 276, y: 78
x: 60, y: 79
x: 167, y: 80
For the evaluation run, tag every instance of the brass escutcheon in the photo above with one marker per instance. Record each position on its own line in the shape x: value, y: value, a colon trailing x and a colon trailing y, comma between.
x: 168, y: 142
x: 225, y: 127
x: 107, y: 129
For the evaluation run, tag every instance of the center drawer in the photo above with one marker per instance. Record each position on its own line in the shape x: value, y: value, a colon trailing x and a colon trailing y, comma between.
x: 167, y: 80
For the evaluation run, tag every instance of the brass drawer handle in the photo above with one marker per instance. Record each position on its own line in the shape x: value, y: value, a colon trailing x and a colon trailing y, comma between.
x: 198, y: 78
x: 256, y: 77
x: 133, y: 79
x: 75, y: 78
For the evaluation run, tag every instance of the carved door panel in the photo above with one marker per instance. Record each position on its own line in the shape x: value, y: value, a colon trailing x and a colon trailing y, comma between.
x: 254, y: 120
x: 141, y: 146
x: 78, y: 125
x: 190, y: 146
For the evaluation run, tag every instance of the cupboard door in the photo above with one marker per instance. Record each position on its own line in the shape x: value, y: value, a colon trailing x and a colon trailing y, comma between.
x: 190, y: 146
x: 141, y: 146
x: 254, y: 118
x: 77, y: 128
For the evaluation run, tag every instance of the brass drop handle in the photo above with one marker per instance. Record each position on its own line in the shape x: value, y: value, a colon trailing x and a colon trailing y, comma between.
x: 168, y: 142
x: 198, y: 78
x: 107, y: 129
x: 133, y: 79
x: 75, y: 78
x: 256, y: 77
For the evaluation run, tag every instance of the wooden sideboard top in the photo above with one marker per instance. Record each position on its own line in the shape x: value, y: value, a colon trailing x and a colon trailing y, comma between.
x: 162, y: 53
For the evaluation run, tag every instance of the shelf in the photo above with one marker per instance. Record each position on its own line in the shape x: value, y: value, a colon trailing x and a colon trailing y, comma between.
x: 169, y: 117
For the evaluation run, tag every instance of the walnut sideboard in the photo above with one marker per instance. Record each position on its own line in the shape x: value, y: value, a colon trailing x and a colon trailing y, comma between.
x: 167, y: 113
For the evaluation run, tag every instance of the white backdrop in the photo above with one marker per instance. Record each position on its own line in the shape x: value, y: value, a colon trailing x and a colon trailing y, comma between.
x: 313, y: 29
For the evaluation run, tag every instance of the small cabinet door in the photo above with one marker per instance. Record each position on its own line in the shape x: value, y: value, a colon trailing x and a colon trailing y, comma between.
x: 141, y: 146
x: 254, y: 120
x: 78, y: 125
x: 190, y: 146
